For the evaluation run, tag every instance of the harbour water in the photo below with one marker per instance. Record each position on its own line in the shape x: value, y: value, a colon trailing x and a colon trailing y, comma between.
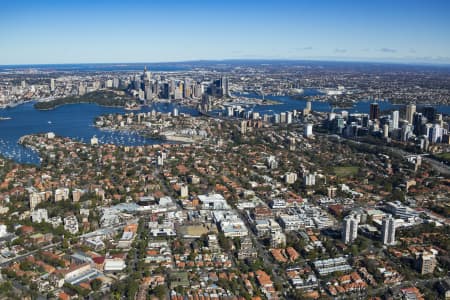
x: 76, y: 121
x: 288, y: 104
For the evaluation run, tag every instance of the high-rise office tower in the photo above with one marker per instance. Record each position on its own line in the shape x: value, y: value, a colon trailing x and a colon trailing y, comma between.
x: 146, y: 75
x: 308, y: 130
x: 283, y: 117
x: 350, y: 229
x: 243, y: 126
x: 116, y: 82
x: 225, y: 88
x: 386, y: 130
x: 173, y: 86
x: 156, y: 89
x: 418, y: 121
x: 137, y: 85
x: 435, y: 134
x: 388, y: 231
x: 289, y: 117
x: 165, y: 91
x: 148, y: 93
x: 374, y: 111
x: 430, y: 113
x: 395, y: 119
x: 52, y: 84
x: 178, y: 94
x: 215, y: 88
x: 198, y: 90
x: 410, y: 110
x: 187, y: 88
x: 206, y: 102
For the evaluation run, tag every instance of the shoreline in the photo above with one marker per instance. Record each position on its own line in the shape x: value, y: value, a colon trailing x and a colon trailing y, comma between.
x: 15, y: 104
x: 100, y: 97
x: 82, y: 102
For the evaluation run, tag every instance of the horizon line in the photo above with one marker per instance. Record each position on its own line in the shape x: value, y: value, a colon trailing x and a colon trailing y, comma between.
x: 343, y: 60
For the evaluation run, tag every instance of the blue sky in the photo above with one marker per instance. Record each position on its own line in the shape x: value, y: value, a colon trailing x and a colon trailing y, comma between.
x: 82, y: 31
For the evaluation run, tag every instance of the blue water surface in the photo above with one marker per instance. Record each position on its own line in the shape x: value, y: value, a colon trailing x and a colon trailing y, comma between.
x: 74, y: 121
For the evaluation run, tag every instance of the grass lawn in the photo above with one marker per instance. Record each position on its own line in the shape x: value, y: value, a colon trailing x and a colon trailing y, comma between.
x: 444, y: 156
x: 346, y: 171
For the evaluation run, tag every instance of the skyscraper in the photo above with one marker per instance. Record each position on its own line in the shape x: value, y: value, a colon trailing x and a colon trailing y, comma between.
x: 206, y: 102
x: 216, y: 88
x: 350, y: 229
x: 52, y: 84
x: 410, y: 110
x: 243, y: 126
x: 225, y: 88
x: 156, y: 89
x: 386, y: 130
x: 418, y: 121
x: 426, y: 262
x: 187, y: 93
x: 435, y: 134
x: 430, y: 113
x: 309, y: 179
x: 308, y: 130
x: 148, y: 92
x: 388, y: 231
x: 198, y: 90
x: 374, y: 111
x: 116, y: 82
x: 178, y: 93
x: 395, y: 117
x: 165, y: 91
x: 146, y: 75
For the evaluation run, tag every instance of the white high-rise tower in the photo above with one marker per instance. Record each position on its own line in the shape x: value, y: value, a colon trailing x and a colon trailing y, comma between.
x: 395, y: 117
x: 410, y: 110
x: 350, y: 229
x: 388, y: 231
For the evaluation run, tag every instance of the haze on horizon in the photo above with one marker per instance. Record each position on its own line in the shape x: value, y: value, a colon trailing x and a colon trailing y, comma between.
x: 96, y: 31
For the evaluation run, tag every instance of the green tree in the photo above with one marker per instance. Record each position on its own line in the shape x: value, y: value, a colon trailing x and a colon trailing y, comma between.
x: 160, y: 292
x: 96, y: 284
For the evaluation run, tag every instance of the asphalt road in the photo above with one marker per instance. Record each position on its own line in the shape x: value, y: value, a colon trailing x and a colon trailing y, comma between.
x: 23, y: 256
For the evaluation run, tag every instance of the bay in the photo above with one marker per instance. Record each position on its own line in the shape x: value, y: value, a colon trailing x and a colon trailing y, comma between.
x: 77, y: 121
x: 288, y: 103
x: 74, y: 121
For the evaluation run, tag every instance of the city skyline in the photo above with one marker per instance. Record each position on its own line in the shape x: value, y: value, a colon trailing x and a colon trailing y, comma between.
x: 51, y: 32
x: 238, y: 150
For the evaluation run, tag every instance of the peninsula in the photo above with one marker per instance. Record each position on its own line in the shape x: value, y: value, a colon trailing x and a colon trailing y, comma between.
x: 100, y: 97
